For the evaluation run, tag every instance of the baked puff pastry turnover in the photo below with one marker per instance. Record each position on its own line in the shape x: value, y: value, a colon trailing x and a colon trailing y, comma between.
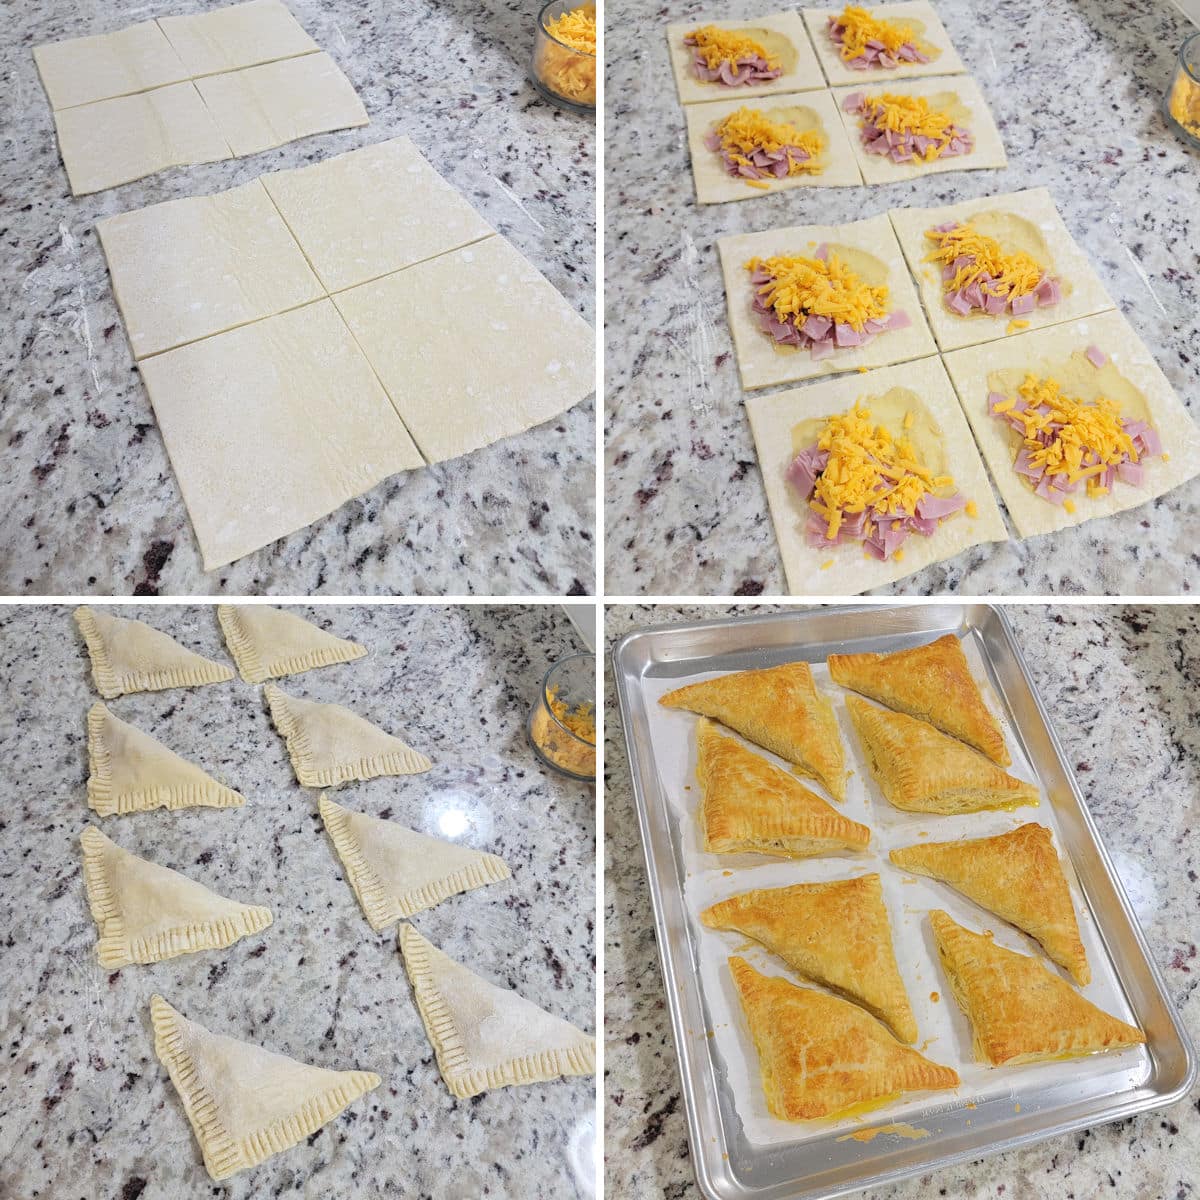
x: 932, y: 682
x: 750, y: 805
x: 779, y: 709
x: 920, y: 769
x: 819, y: 1055
x: 268, y: 643
x: 836, y: 934
x: 1020, y: 1012
x: 1019, y: 877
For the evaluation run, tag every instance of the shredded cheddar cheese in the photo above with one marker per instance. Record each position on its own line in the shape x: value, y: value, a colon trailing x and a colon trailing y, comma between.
x: 972, y: 510
x: 912, y: 115
x: 861, y: 27
x: 566, y: 60
x: 750, y: 129
x: 718, y: 45
x: 576, y: 29
x: 1020, y: 272
x: 1184, y: 104
x: 1016, y: 325
x: 801, y: 286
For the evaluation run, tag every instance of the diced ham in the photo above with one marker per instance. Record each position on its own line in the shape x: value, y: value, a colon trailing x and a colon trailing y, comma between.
x: 934, y: 508
x: 1096, y: 356
x: 1021, y: 305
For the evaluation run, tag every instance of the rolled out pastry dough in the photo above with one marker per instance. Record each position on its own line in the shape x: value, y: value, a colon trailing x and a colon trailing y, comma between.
x: 268, y: 643
x: 186, y: 269
x: 120, y: 140
x: 486, y: 1036
x: 260, y: 107
x: 241, y: 35
x: 472, y: 346
x: 239, y: 412
x: 372, y: 211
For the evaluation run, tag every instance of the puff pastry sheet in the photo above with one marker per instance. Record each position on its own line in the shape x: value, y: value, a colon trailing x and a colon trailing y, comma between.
x: 778, y: 708
x: 329, y: 745
x: 1016, y: 875
x: 129, y: 771
x: 146, y: 913
x: 1019, y: 1011
x: 819, y: 1054
x: 246, y: 1103
x: 836, y: 934
x: 269, y: 643
x: 241, y: 35
x: 396, y: 872
x: 130, y: 656
x: 485, y: 1036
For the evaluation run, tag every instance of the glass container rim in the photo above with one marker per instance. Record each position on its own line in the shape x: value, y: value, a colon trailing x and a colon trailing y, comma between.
x: 542, y: 26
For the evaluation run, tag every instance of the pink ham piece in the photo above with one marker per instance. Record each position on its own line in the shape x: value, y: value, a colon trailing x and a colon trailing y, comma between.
x: 1096, y: 356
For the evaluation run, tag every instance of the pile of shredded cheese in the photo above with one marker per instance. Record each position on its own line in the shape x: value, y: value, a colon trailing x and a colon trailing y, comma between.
x: 1020, y: 272
x: 800, y: 287
x: 860, y: 27
x: 718, y: 45
x: 575, y: 754
x: 576, y: 29
x: 1185, y: 103
x: 909, y: 114
x: 749, y: 129
x: 569, y: 69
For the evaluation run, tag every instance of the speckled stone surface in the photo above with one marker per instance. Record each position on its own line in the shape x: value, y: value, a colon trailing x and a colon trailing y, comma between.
x: 88, y: 501
x: 1075, y: 89
x: 1120, y: 684
x: 85, y: 1107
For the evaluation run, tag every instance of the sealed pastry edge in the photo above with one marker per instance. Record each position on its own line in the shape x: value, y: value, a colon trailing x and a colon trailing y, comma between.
x: 250, y: 665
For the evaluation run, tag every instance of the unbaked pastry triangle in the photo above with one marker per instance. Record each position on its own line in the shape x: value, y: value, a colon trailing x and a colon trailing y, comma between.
x: 750, y: 804
x: 780, y: 709
x: 146, y: 913
x: 246, y: 1103
x: 836, y: 934
x: 328, y: 744
x: 129, y: 771
x: 819, y: 1055
x: 268, y: 643
x: 130, y: 656
x: 1020, y: 1012
x: 1019, y: 877
x: 932, y: 682
x: 920, y: 769
x: 486, y: 1036
x: 396, y: 872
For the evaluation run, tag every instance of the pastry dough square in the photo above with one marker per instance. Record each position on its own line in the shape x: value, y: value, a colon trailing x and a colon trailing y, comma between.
x: 715, y: 186
x: 271, y: 426
x: 852, y: 571
x: 372, y: 211
x: 134, y: 59
x: 800, y: 76
x: 241, y: 35
x: 120, y: 140
x: 1045, y: 348
x: 1083, y: 293
x: 261, y: 107
x: 964, y: 91
x: 472, y: 346
x: 934, y: 32
x: 761, y: 362
x: 186, y: 269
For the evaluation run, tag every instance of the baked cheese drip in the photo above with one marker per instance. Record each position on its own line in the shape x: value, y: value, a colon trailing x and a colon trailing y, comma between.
x: 864, y: 485
x: 1184, y: 104
x: 566, y: 60
x: 1066, y: 442
x: 977, y: 275
x: 756, y: 148
x: 731, y: 58
x: 818, y: 303
x: 866, y: 42
x: 905, y: 128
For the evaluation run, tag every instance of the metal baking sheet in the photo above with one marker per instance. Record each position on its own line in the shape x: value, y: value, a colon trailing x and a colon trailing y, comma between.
x: 1020, y: 1105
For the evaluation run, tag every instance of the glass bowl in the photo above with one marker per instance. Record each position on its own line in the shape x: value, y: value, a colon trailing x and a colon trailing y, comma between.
x: 1181, y: 104
x: 562, y: 74
x: 563, y: 717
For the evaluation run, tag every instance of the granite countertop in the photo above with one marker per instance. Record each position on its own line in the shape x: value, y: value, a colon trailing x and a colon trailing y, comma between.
x: 1120, y: 685
x: 686, y: 513
x: 85, y: 1107
x: 88, y: 501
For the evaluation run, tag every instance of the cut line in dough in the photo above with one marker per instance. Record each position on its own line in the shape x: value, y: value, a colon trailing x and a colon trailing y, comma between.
x: 130, y: 771
x: 242, y: 35
x: 269, y: 643
x: 330, y: 745
x: 486, y: 1036
x: 245, y: 1103
x: 145, y: 913
x: 396, y: 872
x: 130, y: 656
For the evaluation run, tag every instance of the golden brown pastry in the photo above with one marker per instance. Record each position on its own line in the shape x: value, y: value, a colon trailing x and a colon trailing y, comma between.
x: 819, y: 1055
x: 750, y: 804
x: 780, y: 709
x: 932, y: 682
x: 920, y: 769
x: 836, y: 934
x: 1019, y: 877
x: 1019, y: 1011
